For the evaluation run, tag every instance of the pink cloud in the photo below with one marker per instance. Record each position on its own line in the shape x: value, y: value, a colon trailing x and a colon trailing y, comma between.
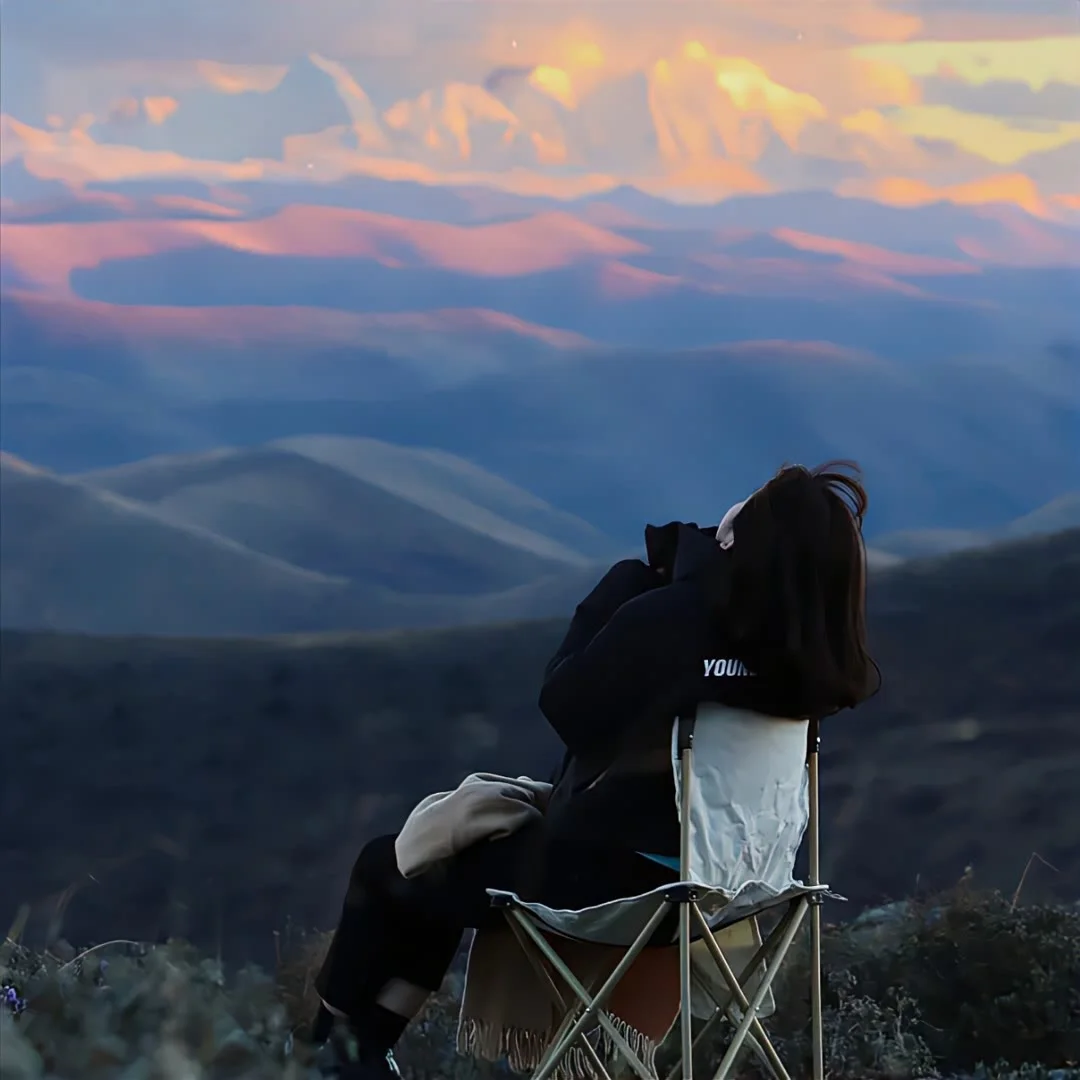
x: 73, y: 319
x: 47, y: 254
x: 875, y: 258
x: 159, y: 109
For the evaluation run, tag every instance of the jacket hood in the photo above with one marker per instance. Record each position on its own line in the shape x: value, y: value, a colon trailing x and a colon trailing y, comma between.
x: 697, y: 550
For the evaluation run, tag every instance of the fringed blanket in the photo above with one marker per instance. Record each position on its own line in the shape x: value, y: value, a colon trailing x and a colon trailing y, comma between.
x: 507, y: 1009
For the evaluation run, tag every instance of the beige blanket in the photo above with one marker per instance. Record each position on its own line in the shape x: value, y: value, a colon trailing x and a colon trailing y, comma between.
x: 507, y: 1009
x: 484, y: 806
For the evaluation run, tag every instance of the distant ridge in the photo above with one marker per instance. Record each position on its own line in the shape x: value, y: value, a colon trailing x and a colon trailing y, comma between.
x: 1053, y: 516
x: 268, y: 540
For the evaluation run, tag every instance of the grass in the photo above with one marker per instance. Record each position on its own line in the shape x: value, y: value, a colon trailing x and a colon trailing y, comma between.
x: 966, y: 984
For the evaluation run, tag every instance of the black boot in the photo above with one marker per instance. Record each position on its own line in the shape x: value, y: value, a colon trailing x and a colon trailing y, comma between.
x: 361, y: 1049
x: 344, y: 1056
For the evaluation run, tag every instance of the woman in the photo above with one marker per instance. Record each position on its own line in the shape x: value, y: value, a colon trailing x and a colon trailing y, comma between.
x: 777, y: 592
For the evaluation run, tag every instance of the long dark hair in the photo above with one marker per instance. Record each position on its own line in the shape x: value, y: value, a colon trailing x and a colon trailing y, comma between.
x: 796, y: 608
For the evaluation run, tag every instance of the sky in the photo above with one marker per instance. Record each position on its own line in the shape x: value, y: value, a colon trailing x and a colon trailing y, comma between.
x: 906, y: 102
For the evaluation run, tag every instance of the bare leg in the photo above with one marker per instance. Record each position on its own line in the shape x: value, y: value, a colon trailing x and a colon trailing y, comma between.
x: 401, y: 997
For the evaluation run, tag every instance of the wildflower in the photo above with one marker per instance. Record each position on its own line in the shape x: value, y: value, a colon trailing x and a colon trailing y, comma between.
x: 11, y: 1000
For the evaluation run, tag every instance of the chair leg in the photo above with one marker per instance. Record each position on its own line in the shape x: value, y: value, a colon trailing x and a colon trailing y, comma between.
x: 734, y: 985
x: 583, y: 1041
x: 685, y: 993
x: 763, y: 955
x: 754, y: 1004
x: 763, y: 1059
x: 571, y: 1009
x: 593, y: 1005
x: 734, y: 1016
x: 817, y: 1032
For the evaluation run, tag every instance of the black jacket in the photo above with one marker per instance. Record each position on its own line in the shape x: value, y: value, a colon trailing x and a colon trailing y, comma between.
x: 637, y: 651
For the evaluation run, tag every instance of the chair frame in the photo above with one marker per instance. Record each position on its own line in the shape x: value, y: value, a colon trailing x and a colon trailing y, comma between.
x: 584, y: 1013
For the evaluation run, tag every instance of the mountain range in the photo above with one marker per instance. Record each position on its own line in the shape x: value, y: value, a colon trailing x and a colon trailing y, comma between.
x: 317, y: 533
x: 305, y: 535
x: 620, y: 356
x: 614, y: 435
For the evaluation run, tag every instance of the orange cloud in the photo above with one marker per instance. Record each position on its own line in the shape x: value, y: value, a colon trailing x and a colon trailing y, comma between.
x: 694, y: 102
x: 713, y: 115
x: 464, y: 105
x: 548, y: 151
x: 364, y: 116
x: 878, y: 24
x: 159, y: 109
x: 867, y: 136
x: 75, y: 158
x: 704, y: 180
x: 326, y: 158
x: 554, y: 82
x: 453, y: 113
x: 878, y: 82
x: 241, y: 78
x: 1014, y: 188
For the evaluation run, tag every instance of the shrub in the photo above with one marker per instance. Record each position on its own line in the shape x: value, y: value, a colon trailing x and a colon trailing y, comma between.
x: 968, y: 987
x: 950, y: 985
x: 993, y: 982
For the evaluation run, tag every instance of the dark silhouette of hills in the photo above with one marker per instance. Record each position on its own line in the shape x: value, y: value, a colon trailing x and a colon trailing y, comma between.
x: 217, y: 788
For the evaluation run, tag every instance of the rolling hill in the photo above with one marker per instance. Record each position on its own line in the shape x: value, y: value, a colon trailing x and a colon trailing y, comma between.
x: 266, y: 541
x: 430, y: 482
x: 613, y: 436
x: 74, y: 556
x: 1054, y: 516
x: 319, y: 533
x: 224, y: 787
x: 312, y: 513
x: 626, y: 436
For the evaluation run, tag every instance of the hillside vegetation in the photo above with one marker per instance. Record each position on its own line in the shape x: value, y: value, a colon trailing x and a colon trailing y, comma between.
x: 219, y: 787
x: 963, y: 986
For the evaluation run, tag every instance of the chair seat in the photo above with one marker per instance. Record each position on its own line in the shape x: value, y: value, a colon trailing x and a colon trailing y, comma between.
x: 618, y: 922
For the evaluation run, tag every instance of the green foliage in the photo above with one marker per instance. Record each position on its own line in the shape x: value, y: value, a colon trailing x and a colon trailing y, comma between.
x: 1004, y: 1071
x: 964, y: 987
x: 992, y: 981
x: 870, y: 1038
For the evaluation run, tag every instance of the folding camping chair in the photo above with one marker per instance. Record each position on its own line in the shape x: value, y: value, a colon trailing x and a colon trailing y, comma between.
x: 747, y: 792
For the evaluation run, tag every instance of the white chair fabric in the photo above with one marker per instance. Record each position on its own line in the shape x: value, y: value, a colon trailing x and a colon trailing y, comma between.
x: 748, y: 812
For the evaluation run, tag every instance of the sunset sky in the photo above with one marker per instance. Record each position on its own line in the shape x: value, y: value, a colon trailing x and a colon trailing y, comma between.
x: 907, y: 102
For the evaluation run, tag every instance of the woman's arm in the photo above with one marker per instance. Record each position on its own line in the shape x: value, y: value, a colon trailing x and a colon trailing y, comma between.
x: 591, y: 695
x: 624, y: 581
